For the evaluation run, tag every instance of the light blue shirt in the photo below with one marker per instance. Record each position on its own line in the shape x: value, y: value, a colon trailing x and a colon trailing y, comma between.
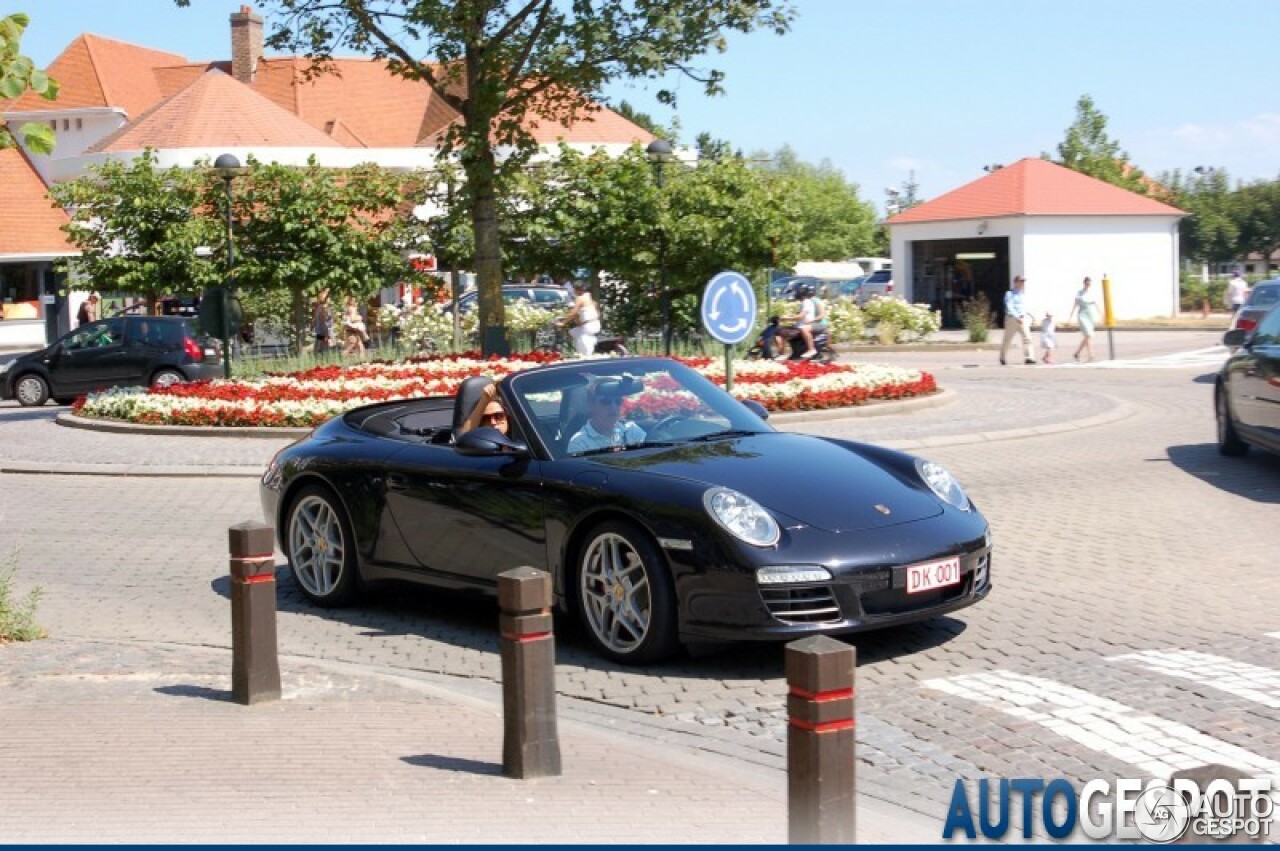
x: 1013, y: 304
x: 587, y: 438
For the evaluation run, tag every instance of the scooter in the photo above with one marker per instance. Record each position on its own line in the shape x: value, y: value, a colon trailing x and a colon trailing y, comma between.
x: 821, y: 342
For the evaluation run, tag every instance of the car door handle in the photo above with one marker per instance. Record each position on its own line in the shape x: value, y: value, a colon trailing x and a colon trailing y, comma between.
x: 397, y: 482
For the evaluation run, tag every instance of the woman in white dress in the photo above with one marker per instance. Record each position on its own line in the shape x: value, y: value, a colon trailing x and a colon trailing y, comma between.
x: 1087, y: 309
x: 583, y: 320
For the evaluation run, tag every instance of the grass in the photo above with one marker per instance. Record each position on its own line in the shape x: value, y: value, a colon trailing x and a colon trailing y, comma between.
x: 17, y: 618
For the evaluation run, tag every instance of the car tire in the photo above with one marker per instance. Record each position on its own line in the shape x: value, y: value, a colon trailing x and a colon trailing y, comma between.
x: 167, y: 378
x: 31, y: 390
x: 320, y: 547
x: 1229, y: 442
x: 625, y: 596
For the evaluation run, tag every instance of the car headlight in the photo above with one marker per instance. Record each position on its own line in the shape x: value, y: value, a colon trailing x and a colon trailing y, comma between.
x: 742, y: 517
x: 942, y: 483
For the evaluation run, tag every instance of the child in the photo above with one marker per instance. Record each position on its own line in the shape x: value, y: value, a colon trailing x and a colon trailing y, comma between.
x: 1047, y: 339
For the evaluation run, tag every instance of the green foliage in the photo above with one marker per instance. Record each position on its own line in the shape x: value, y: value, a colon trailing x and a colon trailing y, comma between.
x: 18, y: 74
x: 976, y: 316
x: 17, y: 617
x: 1211, y: 231
x: 894, y: 317
x: 1193, y: 291
x: 848, y: 322
x: 141, y: 229
x: 1259, y: 211
x: 609, y: 214
x: 1089, y: 150
x: 830, y: 220
x: 306, y: 229
x: 500, y: 65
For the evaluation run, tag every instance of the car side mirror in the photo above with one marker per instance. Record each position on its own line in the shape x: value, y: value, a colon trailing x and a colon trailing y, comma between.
x: 1235, y: 337
x: 488, y: 441
x: 756, y: 408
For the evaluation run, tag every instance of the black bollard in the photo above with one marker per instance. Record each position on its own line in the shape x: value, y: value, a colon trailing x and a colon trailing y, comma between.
x: 255, y: 664
x: 821, y: 799
x: 530, y: 744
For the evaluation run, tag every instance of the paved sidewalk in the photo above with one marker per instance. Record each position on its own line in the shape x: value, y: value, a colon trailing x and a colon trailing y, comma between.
x: 129, y: 742
x: 140, y: 742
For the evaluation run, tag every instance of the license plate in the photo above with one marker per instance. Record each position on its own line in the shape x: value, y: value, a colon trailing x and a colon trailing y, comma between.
x: 935, y: 574
x: 210, y: 352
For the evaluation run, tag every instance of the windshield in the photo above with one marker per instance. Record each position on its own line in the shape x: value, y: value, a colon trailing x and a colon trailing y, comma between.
x: 1264, y: 296
x: 622, y: 404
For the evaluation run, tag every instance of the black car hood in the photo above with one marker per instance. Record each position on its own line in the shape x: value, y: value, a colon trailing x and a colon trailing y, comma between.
x: 807, y: 478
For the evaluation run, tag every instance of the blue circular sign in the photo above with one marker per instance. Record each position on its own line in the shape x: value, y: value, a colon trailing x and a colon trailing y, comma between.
x: 729, y: 307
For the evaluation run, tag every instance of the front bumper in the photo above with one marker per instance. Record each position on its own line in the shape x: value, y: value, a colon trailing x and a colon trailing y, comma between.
x: 737, y: 608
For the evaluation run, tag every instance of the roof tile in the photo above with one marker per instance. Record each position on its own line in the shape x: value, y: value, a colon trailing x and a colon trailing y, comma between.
x: 1034, y: 187
x: 215, y: 110
x: 30, y: 223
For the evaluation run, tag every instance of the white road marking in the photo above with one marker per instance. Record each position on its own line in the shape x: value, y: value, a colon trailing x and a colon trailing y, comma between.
x: 1212, y: 356
x: 1155, y: 745
x: 1252, y: 682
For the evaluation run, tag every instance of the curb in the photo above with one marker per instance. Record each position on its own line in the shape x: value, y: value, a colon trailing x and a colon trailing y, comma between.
x: 72, y: 421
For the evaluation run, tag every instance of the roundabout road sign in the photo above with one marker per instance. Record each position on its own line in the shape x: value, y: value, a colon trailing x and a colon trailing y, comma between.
x: 729, y: 307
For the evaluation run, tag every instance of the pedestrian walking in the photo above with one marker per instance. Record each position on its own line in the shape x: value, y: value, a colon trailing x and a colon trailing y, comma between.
x: 1017, y: 321
x: 320, y: 320
x: 1048, y: 338
x: 353, y: 328
x: 1085, y: 310
x: 1237, y: 292
x: 88, y: 310
x: 583, y: 320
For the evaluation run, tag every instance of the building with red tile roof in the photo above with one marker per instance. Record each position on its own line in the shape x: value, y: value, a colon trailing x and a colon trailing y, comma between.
x: 117, y: 99
x: 1050, y: 224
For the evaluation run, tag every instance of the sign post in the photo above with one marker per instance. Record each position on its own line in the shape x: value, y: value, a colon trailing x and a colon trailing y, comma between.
x: 729, y: 314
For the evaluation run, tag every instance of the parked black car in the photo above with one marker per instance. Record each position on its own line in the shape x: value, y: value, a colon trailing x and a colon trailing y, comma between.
x: 697, y: 522
x: 1247, y: 391
x: 116, y: 352
x: 553, y: 298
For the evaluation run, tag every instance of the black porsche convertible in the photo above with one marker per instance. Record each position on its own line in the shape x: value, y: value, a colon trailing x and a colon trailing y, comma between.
x: 665, y: 510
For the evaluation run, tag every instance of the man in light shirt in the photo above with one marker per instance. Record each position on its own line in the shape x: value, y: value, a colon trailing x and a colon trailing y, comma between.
x: 603, y: 428
x: 1017, y: 320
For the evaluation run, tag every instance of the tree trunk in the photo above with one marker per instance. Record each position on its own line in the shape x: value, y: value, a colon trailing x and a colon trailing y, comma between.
x: 479, y: 166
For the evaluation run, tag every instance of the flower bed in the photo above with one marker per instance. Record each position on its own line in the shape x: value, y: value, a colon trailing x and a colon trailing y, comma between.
x: 316, y: 395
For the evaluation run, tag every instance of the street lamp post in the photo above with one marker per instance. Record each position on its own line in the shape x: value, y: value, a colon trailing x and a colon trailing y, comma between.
x: 658, y: 151
x: 228, y: 167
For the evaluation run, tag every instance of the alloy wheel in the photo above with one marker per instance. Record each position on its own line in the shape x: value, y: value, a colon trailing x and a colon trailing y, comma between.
x: 616, y: 593
x: 317, y: 546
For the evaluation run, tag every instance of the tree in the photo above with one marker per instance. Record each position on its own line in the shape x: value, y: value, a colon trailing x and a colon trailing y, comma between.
x: 1088, y: 150
x: 1211, y: 231
x: 306, y: 229
x: 502, y: 63
x: 1259, y: 210
x: 17, y: 75
x: 607, y: 214
x: 833, y: 222
x: 135, y: 229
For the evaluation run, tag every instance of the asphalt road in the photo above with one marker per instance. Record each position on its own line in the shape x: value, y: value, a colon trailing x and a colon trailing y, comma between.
x: 1133, y: 628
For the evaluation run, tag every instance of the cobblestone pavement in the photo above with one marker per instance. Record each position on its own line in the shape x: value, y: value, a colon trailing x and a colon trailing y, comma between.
x: 1133, y: 621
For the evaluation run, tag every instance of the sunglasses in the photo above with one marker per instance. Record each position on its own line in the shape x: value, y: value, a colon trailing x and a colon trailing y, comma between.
x: 498, y: 417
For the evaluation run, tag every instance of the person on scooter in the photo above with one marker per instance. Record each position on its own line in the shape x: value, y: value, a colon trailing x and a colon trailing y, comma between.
x: 802, y: 323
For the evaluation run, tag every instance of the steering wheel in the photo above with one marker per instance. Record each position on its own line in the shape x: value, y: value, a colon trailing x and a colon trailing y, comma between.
x: 669, y: 421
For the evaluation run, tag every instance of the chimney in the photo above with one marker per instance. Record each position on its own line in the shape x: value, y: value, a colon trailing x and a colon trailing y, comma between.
x: 246, y: 44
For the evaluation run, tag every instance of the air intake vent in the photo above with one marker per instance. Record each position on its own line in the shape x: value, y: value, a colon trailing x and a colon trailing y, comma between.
x: 804, y: 604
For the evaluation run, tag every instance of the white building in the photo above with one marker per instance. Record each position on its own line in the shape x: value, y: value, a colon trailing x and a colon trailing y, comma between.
x: 1053, y: 226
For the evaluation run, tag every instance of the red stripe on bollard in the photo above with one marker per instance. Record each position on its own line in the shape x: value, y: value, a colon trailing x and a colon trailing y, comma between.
x: 252, y: 580
x: 820, y: 696
x: 825, y: 727
x: 524, y: 639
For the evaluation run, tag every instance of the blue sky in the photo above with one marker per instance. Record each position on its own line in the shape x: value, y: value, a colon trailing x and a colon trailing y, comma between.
x: 882, y: 89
